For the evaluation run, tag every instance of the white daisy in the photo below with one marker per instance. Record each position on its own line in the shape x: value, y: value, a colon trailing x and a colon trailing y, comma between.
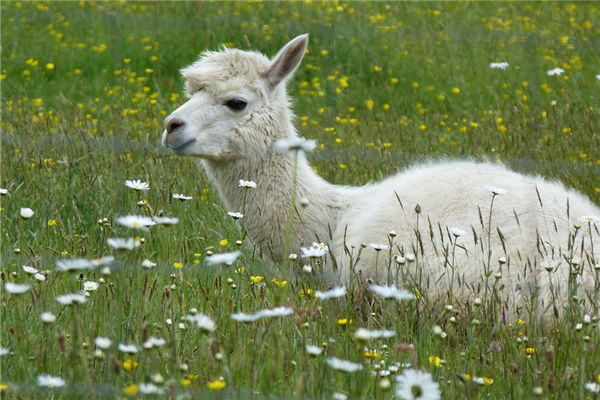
x: 391, y: 292
x: 266, y: 313
x: 47, y: 317
x: 496, y: 190
x: 26, y: 212
x: 123, y: 244
x: 343, y: 365
x: 224, y: 258
x: 39, y: 277
x: 315, y: 251
x: 295, y: 144
x: 331, y: 293
x: 379, y: 246
x: 247, y: 184
x: 101, y: 261
x: 339, y: 396
x: 589, y: 219
x: 4, y: 351
x: 556, y: 71
x: 416, y: 385
x: 68, y: 299
x: 90, y: 286
x: 366, y: 334
x: 16, y: 288
x: 73, y: 264
x: 149, y: 388
x: 50, y: 381
x: 313, y: 350
x: 499, y: 65
x: 148, y: 264
x: 165, y: 220
x: 137, y: 184
x: 136, y: 222
x: 3, y: 191
x: 235, y: 215
x: 598, y: 77
x: 457, y: 232
x: 181, y: 197
x: 592, y: 387
x: 128, y: 348
x: 30, y: 270
x: 102, y: 342
x: 154, y: 342
x: 202, y: 321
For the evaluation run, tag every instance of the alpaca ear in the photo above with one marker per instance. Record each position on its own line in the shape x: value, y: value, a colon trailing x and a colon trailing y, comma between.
x: 286, y: 61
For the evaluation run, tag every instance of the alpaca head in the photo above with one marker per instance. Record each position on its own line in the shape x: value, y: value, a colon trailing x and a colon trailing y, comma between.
x: 237, y: 103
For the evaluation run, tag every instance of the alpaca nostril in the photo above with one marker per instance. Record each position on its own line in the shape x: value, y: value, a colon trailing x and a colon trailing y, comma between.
x: 174, y: 123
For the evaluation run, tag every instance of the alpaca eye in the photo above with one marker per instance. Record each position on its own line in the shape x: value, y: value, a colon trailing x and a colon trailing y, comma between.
x: 236, y: 104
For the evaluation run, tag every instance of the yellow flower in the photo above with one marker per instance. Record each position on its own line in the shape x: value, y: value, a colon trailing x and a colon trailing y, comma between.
x: 37, y: 102
x: 386, y: 106
x: 178, y: 265
x: 372, y: 354
x: 455, y: 90
x: 279, y: 282
x: 131, y: 390
x: 223, y: 242
x: 467, y: 377
x: 344, y: 321
x: 52, y: 222
x: 129, y: 364
x: 520, y: 322
x: 488, y: 381
x: 185, y: 382
x: 306, y: 292
x: 530, y: 351
x: 435, y: 361
x: 422, y: 127
x: 49, y: 66
x: 369, y: 104
x: 217, y: 384
x: 257, y: 278
x: 240, y: 270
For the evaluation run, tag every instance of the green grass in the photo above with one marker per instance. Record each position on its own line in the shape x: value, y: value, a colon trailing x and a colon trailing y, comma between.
x: 85, y: 88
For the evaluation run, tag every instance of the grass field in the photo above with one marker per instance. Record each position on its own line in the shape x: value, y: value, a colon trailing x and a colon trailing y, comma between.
x: 85, y: 89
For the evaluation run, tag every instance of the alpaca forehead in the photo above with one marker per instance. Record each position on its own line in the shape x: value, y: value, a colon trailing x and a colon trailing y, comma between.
x: 227, y: 70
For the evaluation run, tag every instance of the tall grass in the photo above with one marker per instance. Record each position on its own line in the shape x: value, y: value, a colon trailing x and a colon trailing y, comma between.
x: 85, y: 87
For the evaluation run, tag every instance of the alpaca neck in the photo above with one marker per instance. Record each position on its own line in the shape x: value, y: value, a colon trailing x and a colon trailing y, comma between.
x: 280, y: 179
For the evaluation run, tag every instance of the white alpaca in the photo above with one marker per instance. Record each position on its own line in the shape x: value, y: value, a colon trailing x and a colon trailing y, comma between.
x: 237, y: 111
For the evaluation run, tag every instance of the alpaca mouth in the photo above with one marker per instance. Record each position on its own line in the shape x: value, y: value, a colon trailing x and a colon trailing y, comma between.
x: 180, y: 149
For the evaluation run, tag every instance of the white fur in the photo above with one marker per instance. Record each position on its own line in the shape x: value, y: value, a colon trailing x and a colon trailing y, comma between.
x: 535, y: 217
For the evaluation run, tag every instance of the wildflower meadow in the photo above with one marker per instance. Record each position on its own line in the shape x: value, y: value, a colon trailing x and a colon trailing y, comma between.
x: 123, y: 275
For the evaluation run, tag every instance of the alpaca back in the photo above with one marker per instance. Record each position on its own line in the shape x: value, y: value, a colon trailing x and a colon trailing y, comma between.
x: 455, y: 242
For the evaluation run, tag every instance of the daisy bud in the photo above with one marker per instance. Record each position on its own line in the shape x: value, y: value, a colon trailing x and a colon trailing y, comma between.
x: 157, y: 378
